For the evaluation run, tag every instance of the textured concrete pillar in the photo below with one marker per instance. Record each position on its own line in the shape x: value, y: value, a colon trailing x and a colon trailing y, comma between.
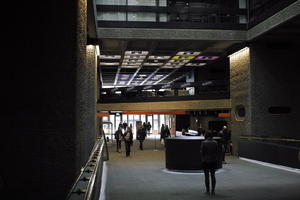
x: 240, y: 94
x: 51, y: 101
x: 275, y: 77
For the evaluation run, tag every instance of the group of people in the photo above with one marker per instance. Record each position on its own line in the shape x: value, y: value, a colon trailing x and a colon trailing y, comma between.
x: 124, y: 133
x: 164, y: 133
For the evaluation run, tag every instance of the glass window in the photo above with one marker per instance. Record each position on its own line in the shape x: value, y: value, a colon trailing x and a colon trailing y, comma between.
x: 118, y: 121
x: 142, y: 2
x: 111, y: 16
x: 162, y: 120
x: 110, y: 2
x: 156, y: 127
x: 105, y: 119
x: 143, y: 118
x: 125, y: 118
x: 112, y: 120
x: 142, y: 16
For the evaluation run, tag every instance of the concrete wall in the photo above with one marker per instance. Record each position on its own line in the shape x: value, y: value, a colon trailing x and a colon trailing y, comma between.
x: 275, y: 75
x: 240, y: 94
x: 50, y: 121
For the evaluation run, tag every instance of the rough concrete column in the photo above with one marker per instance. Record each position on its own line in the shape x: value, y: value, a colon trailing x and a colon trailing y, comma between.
x: 240, y: 95
x: 49, y: 100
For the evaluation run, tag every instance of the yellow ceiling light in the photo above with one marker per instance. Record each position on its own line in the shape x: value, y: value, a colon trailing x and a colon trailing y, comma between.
x: 183, y: 57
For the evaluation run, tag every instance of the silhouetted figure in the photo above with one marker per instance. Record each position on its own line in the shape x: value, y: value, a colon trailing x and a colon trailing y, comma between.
x: 162, y: 134
x: 225, y: 137
x: 141, y: 135
x: 209, y: 155
x: 128, y: 137
x: 118, y: 137
x: 200, y: 131
x: 148, y: 128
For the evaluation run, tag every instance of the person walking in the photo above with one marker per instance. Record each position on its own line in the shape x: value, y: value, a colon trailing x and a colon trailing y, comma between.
x: 141, y: 135
x: 148, y: 128
x: 118, y: 138
x: 128, y: 137
x: 162, y: 134
x: 225, y: 137
x: 209, y: 156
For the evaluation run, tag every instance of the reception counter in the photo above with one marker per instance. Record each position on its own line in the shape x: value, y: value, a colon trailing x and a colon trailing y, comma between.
x: 183, y: 153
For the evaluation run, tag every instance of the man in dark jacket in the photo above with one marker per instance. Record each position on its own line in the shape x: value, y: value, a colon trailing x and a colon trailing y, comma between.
x: 118, y: 137
x: 225, y: 138
x: 141, y: 135
x: 209, y: 156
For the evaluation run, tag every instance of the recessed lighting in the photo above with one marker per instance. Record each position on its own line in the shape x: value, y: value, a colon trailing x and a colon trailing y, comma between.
x: 110, y: 57
x: 153, y: 64
x: 131, y: 63
x: 106, y: 63
x: 183, y: 57
x: 136, y: 53
x: 207, y: 57
x: 195, y: 64
x: 178, y: 61
x: 134, y: 57
x: 133, y: 60
x: 130, y: 66
x: 159, y: 57
x: 188, y: 53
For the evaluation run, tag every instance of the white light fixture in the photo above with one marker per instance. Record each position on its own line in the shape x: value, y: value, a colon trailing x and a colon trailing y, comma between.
x: 153, y: 64
x: 111, y: 57
x: 159, y: 57
x: 106, y: 63
x: 97, y: 50
x: 130, y: 66
x: 134, y: 57
x: 195, y: 64
x: 136, y: 53
x: 188, y: 53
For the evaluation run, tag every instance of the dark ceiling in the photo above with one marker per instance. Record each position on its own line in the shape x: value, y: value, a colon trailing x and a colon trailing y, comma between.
x: 132, y: 69
x: 150, y: 62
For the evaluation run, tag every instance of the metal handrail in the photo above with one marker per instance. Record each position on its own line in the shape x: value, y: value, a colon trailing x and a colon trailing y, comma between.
x: 270, y: 139
x: 91, y: 166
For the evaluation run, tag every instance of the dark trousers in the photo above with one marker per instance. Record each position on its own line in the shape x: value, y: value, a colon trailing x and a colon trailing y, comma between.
x: 118, y: 144
x: 224, y: 151
x: 213, y: 179
x: 127, y: 147
x: 141, y: 144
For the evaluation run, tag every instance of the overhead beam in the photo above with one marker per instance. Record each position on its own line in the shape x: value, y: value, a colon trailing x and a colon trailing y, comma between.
x: 171, y: 34
x: 166, y: 105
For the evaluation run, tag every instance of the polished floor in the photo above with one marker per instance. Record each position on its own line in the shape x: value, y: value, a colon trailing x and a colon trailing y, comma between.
x: 143, y: 176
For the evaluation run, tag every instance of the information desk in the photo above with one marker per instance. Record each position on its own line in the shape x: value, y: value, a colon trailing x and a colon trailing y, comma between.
x: 183, y: 152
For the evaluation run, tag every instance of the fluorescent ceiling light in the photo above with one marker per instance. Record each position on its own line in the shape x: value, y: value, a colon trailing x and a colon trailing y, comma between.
x: 134, y: 57
x: 159, y: 57
x: 207, y: 57
x: 110, y: 57
x: 131, y: 63
x: 106, y: 63
x: 178, y: 61
x: 188, y: 53
x: 133, y: 60
x: 195, y: 64
x: 136, y: 53
x: 130, y: 66
x: 183, y: 57
x: 153, y: 64
x: 174, y: 64
x: 171, y: 66
x: 121, y: 82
